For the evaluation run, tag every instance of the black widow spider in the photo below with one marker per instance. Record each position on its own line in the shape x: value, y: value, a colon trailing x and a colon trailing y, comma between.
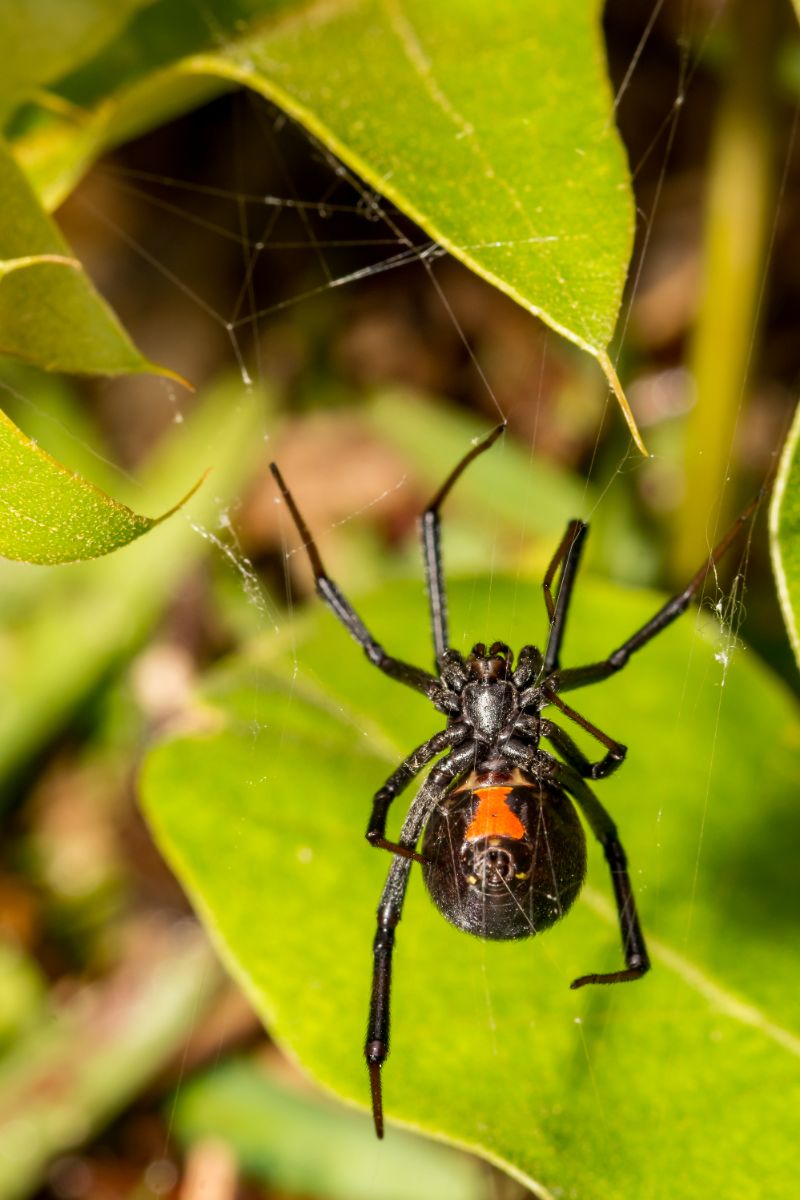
x: 504, y: 852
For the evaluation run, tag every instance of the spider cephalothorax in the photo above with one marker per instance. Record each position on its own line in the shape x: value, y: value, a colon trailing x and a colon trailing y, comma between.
x: 503, y: 849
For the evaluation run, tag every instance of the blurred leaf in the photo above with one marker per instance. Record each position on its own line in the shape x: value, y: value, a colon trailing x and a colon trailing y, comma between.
x: 66, y: 1080
x: 510, y: 486
x: 784, y: 524
x: 50, y: 314
x: 682, y: 1085
x: 90, y: 617
x: 512, y: 506
x: 271, y: 1125
x: 514, y: 165
x: 50, y: 515
x: 43, y: 39
x: 23, y: 994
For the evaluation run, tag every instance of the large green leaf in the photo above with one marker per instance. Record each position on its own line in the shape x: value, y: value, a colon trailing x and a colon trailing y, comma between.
x: 43, y: 39
x: 684, y: 1084
x: 494, y: 131
x: 50, y: 515
x: 50, y: 314
x: 784, y: 523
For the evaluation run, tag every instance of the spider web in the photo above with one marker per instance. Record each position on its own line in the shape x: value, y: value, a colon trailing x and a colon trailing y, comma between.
x: 347, y: 239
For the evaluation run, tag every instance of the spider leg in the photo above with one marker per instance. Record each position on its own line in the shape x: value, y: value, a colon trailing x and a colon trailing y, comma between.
x: 569, y: 553
x: 395, y: 668
x: 431, y: 548
x: 614, y: 757
x: 529, y: 666
x: 637, y: 962
x: 400, y: 779
x: 575, y: 677
x: 390, y: 910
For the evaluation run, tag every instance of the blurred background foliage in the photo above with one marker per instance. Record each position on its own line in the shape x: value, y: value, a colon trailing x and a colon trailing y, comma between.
x: 156, y: 1074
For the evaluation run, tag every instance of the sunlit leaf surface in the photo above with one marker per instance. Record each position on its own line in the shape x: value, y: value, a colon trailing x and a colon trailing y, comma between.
x: 489, y: 125
x: 684, y: 1084
x: 785, y: 533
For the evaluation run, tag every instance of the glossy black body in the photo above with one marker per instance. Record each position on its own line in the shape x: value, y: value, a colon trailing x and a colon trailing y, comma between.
x: 504, y: 887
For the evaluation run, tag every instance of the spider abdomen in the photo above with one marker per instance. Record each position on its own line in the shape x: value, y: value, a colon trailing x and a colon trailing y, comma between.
x: 507, y: 861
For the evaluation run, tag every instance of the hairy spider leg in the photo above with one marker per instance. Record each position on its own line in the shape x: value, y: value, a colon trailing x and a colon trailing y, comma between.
x: 569, y: 553
x: 562, y: 680
x: 376, y: 1048
x: 399, y: 780
x: 327, y: 590
x: 637, y: 961
x: 572, y: 753
x: 429, y: 527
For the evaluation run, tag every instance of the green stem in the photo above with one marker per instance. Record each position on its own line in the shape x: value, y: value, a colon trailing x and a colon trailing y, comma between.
x: 738, y: 208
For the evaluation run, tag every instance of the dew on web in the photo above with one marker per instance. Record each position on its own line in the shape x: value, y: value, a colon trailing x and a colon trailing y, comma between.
x: 252, y: 586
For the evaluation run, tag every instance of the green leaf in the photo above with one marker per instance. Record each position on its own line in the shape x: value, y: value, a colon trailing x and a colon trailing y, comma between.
x: 50, y: 515
x: 23, y: 994
x: 81, y: 623
x: 527, y: 494
x: 43, y: 39
x: 784, y: 525
x: 270, y: 1125
x: 684, y: 1084
x: 495, y: 133
x: 50, y: 314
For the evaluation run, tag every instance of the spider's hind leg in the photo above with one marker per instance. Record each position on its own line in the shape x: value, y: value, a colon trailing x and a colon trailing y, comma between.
x: 637, y: 961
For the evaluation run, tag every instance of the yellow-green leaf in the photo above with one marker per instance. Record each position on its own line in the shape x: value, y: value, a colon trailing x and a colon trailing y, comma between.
x: 684, y: 1084
x: 491, y: 125
x: 50, y: 313
x: 48, y: 514
x: 76, y: 627
x: 784, y: 523
x: 43, y: 39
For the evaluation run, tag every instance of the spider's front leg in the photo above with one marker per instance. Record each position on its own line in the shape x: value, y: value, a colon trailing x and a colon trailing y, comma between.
x: 399, y: 780
x: 567, y: 679
x: 390, y: 910
x: 342, y: 609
